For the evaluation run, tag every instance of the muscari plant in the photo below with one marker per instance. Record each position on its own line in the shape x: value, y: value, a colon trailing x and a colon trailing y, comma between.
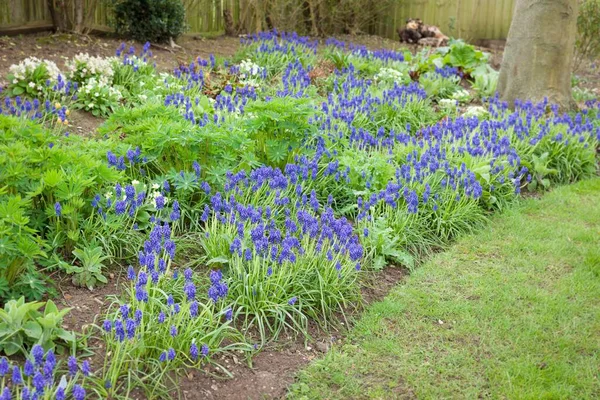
x: 43, y: 376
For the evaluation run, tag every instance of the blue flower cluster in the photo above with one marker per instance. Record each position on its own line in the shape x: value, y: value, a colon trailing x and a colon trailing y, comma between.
x: 37, y: 377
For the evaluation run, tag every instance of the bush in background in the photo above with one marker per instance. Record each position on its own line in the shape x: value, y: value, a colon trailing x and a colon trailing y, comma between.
x: 588, y: 28
x: 153, y: 21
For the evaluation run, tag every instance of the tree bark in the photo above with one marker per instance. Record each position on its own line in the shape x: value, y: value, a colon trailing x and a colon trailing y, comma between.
x: 228, y: 18
x: 58, y: 14
x: 538, y: 58
x: 79, y: 16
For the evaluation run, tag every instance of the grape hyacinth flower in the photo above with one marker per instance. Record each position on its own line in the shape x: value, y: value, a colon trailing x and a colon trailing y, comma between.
x: 58, y: 209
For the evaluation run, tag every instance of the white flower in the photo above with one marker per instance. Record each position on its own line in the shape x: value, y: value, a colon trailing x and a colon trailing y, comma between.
x: 389, y: 75
x: 108, y: 195
x: 15, y: 81
x: 135, y: 182
x: 31, y: 84
x: 475, y: 111
x: 447, y: 103
x: 461, y: 95
x: 155, y: 186
x: 91, y: 67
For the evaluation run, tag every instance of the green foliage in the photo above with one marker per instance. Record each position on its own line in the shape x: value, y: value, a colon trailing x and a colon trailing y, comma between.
x: 22, y: 325
x: 537, y: 265
x: 540, y: 172
x: 39, y: 170
x: 485, y: 80
x: 172, y: 143
x: 20, y: 247
x: 136, y: 80
x: 155, y: 21
x: 97, y: 97
x: 382, y: 247
x: 463, y: 56
x: 587, y: 44
x: 278, y: 128
x: 438, y: 87
x: 29, y: 78
x: 133, y: 359
x: 89, y: 270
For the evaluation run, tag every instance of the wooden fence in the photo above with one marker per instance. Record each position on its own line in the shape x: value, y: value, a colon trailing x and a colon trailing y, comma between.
x: 468, y: 19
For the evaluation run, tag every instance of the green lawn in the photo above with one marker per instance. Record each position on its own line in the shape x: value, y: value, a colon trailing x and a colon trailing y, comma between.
x: 510, y: 312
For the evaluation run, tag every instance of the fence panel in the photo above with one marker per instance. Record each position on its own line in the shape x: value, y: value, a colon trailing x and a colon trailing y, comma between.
x: 468, y: 19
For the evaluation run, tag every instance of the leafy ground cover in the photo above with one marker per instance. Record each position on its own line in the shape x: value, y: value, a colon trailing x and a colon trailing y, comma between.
x: 245, y: 198
x: 510, y: 312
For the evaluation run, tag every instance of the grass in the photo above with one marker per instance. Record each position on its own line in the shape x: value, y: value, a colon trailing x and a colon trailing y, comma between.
x: 512, y: 311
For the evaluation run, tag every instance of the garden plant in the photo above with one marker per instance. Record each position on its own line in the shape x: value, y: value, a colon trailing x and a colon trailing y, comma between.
x: 245, y: 197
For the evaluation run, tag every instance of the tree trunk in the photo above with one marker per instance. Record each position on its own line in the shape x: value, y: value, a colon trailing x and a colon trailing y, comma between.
x: 228, y: 18
x: 79, y: 16
x: 539, y: 51
x: 314, y: 31
x: 58, y: 14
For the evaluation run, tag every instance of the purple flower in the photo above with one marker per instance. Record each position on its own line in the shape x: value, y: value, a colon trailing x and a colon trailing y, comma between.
x: 130, y: 327
x: 204, y: 350
x: 38, y: 354
x: 173, y: 331
x: 39, y: 382
x: 60, y: 394
x: 107, y: 326
x: 119, y: 330
x: 131, y: 273
x: 163, y: 356
x: 58, y: 209
x: 124, y: 311
x: 194, y: 351
x: 160, y: 202
x: 78, y: 392
x: 171, y: 354
x: 72, y: 364
x: 292, y: 301
x: 17, y: 379
x: 4, y: 366
x: 216, y: 276
x: 28, y: 368
x: 187, y: 274
x: 85, y: 368
x: 194, y: 309
x: 5, y: 394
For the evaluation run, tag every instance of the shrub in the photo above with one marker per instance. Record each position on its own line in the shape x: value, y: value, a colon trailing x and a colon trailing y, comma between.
x: 162, y: 19
x: 588, y: 26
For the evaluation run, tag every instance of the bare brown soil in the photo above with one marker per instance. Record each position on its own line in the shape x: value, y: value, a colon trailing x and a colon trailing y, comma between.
x: 61, y: 47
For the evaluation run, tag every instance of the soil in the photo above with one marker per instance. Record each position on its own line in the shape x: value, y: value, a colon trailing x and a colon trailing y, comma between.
x: 61, y: 47
x: 274, y: 368
x: 86, y: 305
